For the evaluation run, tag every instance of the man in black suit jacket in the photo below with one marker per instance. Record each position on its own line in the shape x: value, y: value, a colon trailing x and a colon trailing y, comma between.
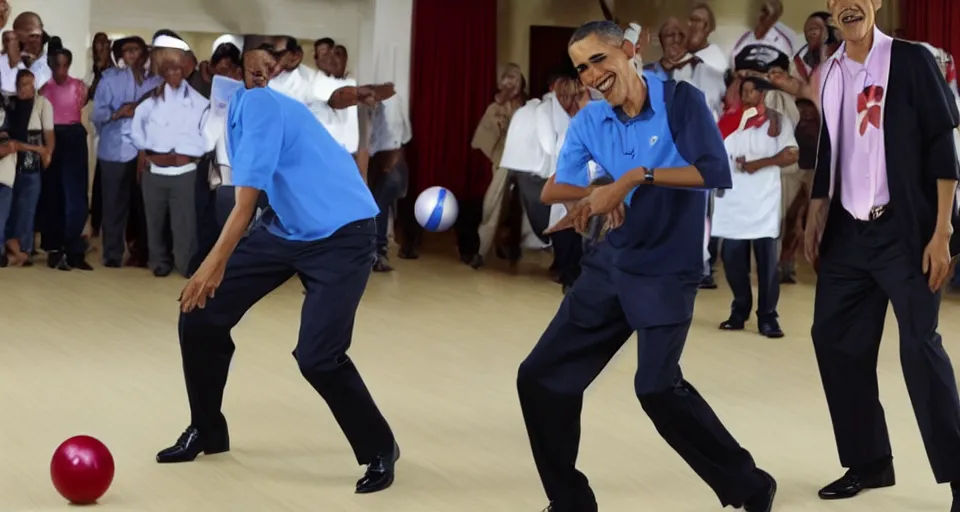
x: 879, y: 228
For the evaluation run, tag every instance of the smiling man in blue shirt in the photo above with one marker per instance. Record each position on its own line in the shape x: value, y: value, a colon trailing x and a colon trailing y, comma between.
x: 319, y: 227
x: 658, y: 141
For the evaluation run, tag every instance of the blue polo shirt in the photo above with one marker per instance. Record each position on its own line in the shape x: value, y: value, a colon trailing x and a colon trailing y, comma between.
x: 278, y: 146
x: 663, y: 232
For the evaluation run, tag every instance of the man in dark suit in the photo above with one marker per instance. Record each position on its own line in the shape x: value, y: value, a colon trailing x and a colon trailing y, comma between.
x: 879, y: 229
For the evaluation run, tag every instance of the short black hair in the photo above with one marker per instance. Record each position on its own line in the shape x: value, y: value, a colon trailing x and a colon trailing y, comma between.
x: 292, y: 44
x: 23, y: 73
x: 226, y: 51
x: 324, y: 40
x: 166, y: 32
x: 758, y: 84
x: 606, y: 29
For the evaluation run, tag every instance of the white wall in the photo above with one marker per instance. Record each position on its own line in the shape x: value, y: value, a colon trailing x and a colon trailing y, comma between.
x: 307, y: 19
x: 68, y: 19
x: 392, y: 44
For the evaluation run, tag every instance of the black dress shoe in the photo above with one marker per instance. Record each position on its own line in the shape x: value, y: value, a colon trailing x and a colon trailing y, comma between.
x: 732, y: 324
x: 708, y: 283
x: 771, y: 328
x: 763, y: 500
x: 379, y: 473
x: 854, y: 481
x: 162, y: 271
x: 190, y: 444
x: 79, y: 263
x: 112, y: 263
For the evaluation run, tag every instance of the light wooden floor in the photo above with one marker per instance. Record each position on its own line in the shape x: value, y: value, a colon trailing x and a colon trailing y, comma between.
x: 438, y: 344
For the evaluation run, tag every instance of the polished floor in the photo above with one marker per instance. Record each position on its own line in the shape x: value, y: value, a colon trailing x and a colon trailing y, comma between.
x: 438, y: 343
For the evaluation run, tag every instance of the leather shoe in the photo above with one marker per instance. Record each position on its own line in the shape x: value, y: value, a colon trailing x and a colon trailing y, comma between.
x: 763, y: 500
x: 380, y: 472
x: 190, y: 444
x: 771, y: 328
x: 732, y: 324
x: 855, y: 481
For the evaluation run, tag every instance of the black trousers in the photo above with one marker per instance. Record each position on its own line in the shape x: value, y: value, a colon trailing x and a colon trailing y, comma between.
x: 594, y: 321
x: 64, y: 193
x: 96, y: 200
x: 863, y: 268
x: 567, y: 253
x: 736, y: 266
x: 334, y: 272
x: 206, y: 201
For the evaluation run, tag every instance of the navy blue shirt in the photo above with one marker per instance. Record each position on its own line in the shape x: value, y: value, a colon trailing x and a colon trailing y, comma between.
x: 663, y: 231
x: 278, y: 146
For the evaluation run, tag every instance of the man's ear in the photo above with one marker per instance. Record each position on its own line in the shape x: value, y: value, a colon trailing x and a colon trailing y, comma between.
x: 628, y: 48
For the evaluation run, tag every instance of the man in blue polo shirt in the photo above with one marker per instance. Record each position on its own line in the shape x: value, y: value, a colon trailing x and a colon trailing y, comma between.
x: 319, y: 227
x: 658, y: 141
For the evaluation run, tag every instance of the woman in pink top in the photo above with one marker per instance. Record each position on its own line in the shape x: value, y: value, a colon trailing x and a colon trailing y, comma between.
x: 64, y: 202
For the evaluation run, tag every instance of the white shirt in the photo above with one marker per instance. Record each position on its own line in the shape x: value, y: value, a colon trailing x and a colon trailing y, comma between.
x: 521, y: 148
x: 293, y: 84
x: 714, y: 57
x: 779, y: 36
x: 8, y: 75
x: 172, y: 123
x: 390, y: 128
x: 709, y: 81
x: 750, y: 210
x: 343, y: 124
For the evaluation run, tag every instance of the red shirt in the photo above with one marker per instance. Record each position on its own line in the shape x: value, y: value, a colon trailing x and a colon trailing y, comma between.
x: 67, y: 100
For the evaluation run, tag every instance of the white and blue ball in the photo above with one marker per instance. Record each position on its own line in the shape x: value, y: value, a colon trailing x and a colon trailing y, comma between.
x: 436, y: 209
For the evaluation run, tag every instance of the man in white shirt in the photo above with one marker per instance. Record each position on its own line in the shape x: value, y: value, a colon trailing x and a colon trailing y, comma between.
x: 295, y: 78
x: 29, y: 29
x: 748, y: 215
x: 700, y: 25
x: 167, y: 130
x: 770, y: 31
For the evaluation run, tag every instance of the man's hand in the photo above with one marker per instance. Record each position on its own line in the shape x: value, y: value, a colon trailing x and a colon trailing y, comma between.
x: 578, y: 218
x: 751, y: 167
x: 127, y: 110
x: 816, y: 221
x: 936, y: 260
x: 606, y: 198
x: 204, y: 283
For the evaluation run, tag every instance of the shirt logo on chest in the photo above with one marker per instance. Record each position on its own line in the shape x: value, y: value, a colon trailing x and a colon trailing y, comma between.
x: 653, y: 140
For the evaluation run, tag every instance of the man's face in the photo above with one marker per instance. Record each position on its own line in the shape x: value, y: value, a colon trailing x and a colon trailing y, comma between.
x: 673, y: 40
x: 770, y: 13
x: 25, y: 88
x: 750, y: 96
x: 698, y: 28
x: 101, y: 45
x: 224, y: 67
x: 324, y: 58
x: 258, y: 68
x: 4, y: 13
x: 815, y: 31
x: 132, y: 54
x: 855, y: 18
x: 172, y: 73
x: 604, y: 66
x: 340, y: 57
x: 30, y: 31
x: 61, y: 69
x: 11, y: 43
x: 286, y: 58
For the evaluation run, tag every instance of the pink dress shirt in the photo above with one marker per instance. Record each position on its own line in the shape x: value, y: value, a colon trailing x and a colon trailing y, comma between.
x: 67, y: 99
x: 863, y: 166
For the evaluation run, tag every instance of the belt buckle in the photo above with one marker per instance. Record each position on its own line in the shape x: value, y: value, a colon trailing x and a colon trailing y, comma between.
x: 876, y: 212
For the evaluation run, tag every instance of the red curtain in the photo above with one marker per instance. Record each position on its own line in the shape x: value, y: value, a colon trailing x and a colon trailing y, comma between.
x: 933, y: 21
x: 453, y: 80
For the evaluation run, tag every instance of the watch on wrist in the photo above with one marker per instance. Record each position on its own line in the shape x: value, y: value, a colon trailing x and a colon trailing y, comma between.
x: 648, y: 176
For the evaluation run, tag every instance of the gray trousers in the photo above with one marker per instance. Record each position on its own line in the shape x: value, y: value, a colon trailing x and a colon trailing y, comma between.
x: 538, y: 213
x: 172, y: 196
